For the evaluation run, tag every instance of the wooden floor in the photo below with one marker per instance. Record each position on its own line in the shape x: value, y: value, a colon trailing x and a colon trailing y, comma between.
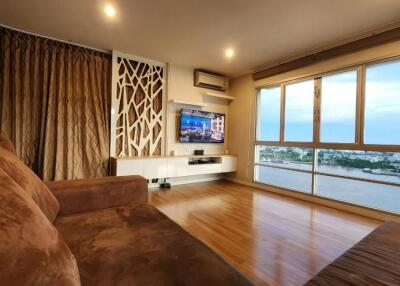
x: 272, y: 239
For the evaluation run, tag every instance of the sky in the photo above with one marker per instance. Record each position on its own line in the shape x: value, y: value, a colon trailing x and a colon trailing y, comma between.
x: 338, y: 108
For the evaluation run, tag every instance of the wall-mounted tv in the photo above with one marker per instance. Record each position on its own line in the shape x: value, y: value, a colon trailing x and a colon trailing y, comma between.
x: 201, y: 127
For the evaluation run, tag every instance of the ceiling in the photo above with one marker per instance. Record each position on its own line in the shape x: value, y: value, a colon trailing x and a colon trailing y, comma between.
x: 196, y: 33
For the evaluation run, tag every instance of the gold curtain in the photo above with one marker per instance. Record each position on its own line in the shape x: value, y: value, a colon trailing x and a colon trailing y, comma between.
x: 55, y: 104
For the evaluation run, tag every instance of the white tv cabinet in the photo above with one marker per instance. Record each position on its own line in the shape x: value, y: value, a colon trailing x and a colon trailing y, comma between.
x: 164, y: 167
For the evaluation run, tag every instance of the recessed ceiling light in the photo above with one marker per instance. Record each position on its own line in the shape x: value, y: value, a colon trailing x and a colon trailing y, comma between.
x: 109, y: 10
x: 229, y: 53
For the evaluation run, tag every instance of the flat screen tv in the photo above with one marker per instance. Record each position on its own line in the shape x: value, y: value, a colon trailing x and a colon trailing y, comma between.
x: 201, y: 127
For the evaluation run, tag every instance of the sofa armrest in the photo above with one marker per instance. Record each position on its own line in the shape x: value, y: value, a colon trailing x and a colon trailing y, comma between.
x: 77, y: 196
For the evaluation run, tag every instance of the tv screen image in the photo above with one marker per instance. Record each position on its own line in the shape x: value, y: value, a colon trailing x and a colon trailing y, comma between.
x: 201, y: 127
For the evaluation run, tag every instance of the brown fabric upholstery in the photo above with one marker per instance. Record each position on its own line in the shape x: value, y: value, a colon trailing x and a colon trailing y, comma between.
x: 374, y: 261
x: 141, y: 246
x: 91, y: 194
x: 31, y: 251
x: 30, y: 183
x: 7, y: 144
x: 116, y: 237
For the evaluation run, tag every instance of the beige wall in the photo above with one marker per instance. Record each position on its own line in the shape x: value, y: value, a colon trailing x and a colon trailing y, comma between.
x: 180, y: 86
x: 242, y: 113
x: 240, y: 124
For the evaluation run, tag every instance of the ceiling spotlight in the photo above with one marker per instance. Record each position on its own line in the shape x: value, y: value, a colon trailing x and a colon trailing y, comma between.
x: 109, y: 10
x: 229, y: 53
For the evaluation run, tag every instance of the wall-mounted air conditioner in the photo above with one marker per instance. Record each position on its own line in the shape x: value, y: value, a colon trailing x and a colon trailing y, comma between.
x: 210, y: 81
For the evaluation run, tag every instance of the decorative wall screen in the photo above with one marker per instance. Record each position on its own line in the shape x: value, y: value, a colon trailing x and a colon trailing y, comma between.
x: 137, y: 106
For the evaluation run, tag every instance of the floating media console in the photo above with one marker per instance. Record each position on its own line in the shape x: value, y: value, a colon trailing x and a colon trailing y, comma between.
x: 173, y: 166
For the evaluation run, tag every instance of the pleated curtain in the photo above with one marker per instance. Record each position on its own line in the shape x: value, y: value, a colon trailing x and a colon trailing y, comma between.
x: 55, y: 105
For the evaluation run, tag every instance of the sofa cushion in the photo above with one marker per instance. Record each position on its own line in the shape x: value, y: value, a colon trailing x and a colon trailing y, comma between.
x: 141, y: 246
x: 91, y: 194
x: 31, y: 251
x: 28, y: 180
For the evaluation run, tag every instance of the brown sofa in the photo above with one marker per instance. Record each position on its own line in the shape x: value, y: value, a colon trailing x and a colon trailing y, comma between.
x: 95, y: 232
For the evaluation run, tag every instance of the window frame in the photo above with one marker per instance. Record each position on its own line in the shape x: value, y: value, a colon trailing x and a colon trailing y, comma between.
x: 357, y: 126
x: 363, y: 86
x: 283, y: 111
x: 316, y: 144
x: 258, y: 113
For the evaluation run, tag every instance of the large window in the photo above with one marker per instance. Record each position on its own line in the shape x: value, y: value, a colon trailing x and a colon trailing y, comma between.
x: 382, y: 104
x: 299, y: 109
x: 368, y: 165
x: 335, y: 136
x: 286, y: 167
x: 338, y: 107
x: 284, y: 178
x: 288, y: 157
x: 379, y: 196
x: 269, y: 110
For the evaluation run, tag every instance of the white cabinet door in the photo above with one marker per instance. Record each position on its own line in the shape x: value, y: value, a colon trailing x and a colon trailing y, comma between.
x: 129, y: 167
x: 228, y: 164
x: 203, y: 169
x: 155, y: 168
x: 177, y: 167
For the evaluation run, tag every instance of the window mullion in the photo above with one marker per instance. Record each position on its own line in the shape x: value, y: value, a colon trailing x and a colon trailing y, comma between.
x: 317, y: 110
x: 314, y: 170
x: 317, y: 126
x: 282, y: 119
x: 360, y: 105
x: 257, y: 113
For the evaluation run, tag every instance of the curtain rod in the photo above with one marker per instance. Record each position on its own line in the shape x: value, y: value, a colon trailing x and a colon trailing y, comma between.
x: 55, y: 39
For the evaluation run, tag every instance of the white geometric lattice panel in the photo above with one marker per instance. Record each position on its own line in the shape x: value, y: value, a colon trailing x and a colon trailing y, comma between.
x: 138, y: 92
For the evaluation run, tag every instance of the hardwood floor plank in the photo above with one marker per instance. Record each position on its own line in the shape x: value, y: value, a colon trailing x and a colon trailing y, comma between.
x: 274, y: 240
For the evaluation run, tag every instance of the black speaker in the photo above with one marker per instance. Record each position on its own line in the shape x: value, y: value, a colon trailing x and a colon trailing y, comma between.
x: 199, y: 152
